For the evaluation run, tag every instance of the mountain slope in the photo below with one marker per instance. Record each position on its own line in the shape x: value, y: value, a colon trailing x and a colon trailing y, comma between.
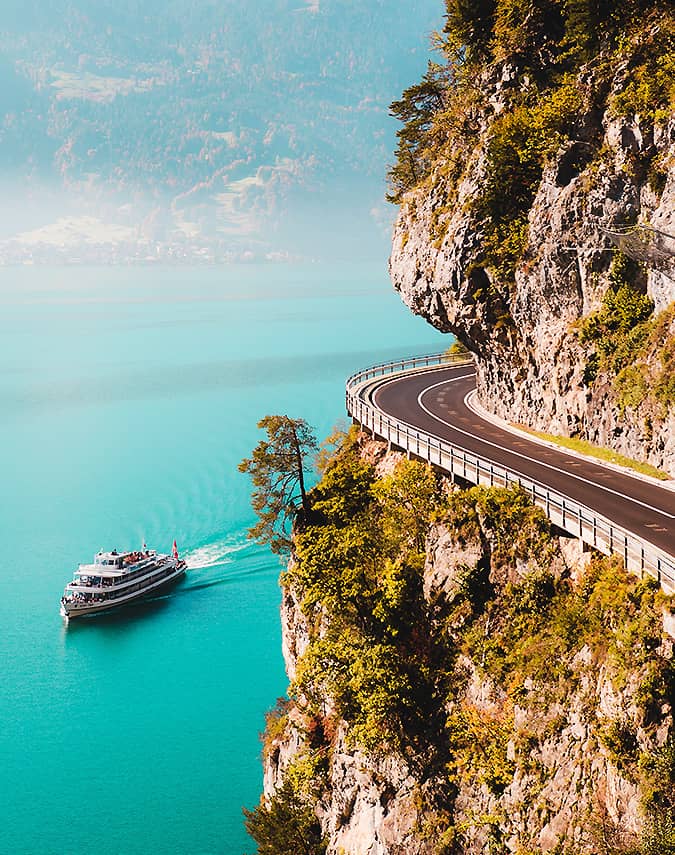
x: 208, y: 123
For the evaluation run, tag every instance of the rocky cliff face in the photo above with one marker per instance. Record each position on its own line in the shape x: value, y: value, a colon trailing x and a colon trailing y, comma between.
x: 512, y: 758
x: 463, y: 680
x: 608, y: 170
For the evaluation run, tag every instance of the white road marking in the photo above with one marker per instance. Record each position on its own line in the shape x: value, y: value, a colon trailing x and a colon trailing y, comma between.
x: 524, y: 456
x: 510, y: 451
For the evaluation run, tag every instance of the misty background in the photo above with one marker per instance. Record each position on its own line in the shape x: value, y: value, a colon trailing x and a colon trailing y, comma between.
x: 198, y: 130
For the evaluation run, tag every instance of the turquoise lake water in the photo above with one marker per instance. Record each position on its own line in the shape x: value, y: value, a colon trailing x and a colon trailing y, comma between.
x: 127, y: 398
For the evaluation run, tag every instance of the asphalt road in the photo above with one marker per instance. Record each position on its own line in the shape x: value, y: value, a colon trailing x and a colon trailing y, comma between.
x: 434, y: 402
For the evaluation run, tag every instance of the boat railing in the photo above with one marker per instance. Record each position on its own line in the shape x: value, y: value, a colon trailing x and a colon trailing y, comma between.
x: 117, y: 590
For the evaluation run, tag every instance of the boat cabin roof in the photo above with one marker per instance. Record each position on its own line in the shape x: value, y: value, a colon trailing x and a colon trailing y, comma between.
x: 114, y: 563
x: 110, y: 558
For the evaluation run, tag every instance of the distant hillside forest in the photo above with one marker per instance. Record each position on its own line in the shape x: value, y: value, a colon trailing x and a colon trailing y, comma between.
x: 206, y: 110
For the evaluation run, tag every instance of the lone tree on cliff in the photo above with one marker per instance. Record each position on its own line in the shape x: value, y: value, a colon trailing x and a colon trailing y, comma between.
x: 277, y: 471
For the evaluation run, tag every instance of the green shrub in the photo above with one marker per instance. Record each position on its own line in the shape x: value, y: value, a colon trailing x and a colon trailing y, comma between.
x: 468, y: 27
x: 658, y: 799
x: 519, y: 529
x: 479, y: 742
x: 533, y: 628
x: 649, y: 88
x: 521, y: 141
x: 631, y: 345
x: 457, y: 349
x: 620, y: 739
x: 343, y: 492
x: 286, y: 825
x: 276, y: 721
x: 619, y: 334
x: 618, y: 330
x: 359, y: 560
x: 391, y: 664
x: 663, y: 344
x: 632, y: 386
x: 407, y: 498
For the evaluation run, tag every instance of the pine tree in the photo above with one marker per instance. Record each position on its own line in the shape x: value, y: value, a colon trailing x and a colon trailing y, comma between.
x: 277, y: 471
x: 468, y: 26
x: 286, y: 825
x: 416, y: 109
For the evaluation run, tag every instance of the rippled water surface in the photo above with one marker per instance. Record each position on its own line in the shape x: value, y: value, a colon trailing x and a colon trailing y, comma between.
x: 127, y: 398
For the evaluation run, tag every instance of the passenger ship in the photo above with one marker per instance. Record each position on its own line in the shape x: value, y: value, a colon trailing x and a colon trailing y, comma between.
x: 118, y: 578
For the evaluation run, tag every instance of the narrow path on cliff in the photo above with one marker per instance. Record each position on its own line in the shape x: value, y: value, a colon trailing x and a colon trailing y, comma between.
x: 434, y: 402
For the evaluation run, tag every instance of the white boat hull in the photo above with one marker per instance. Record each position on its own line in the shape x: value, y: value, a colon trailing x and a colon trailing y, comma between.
x: 72, y: 610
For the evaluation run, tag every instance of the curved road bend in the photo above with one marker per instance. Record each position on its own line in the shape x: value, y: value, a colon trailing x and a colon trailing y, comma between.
x: 434, y: 401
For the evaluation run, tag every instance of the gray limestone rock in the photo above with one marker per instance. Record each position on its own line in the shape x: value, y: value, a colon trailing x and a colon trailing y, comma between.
x: 530, y: 369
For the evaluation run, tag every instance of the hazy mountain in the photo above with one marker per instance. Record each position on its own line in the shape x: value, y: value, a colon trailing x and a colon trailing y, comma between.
x: 238, y: 126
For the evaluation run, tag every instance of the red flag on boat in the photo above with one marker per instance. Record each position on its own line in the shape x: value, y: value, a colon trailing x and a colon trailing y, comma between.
x: 174, y: 551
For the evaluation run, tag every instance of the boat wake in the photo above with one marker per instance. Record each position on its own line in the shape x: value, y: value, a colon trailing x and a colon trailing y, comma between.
x: 227, y: 559
x: 224, y: 561
x: 215, y: 554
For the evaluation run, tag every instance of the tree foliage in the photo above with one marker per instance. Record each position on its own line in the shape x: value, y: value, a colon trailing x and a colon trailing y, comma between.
x: 359, y: 561
x: 539, y: 33
x: 634, y: 347
x: 390, y: 662
x: 619, y: 329
x: 528, y: 56
x: 416, y: 109
x: 286, y: 825
x: 277, y: 470
x: 469, y: 25
x: 407, y: 498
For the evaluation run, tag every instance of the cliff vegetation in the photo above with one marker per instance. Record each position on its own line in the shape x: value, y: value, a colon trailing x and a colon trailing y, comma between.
x: 544, y: 133
x: 461, y: 682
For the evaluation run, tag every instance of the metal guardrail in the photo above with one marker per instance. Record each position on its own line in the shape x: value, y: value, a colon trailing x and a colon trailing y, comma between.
x: 639, y: 556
